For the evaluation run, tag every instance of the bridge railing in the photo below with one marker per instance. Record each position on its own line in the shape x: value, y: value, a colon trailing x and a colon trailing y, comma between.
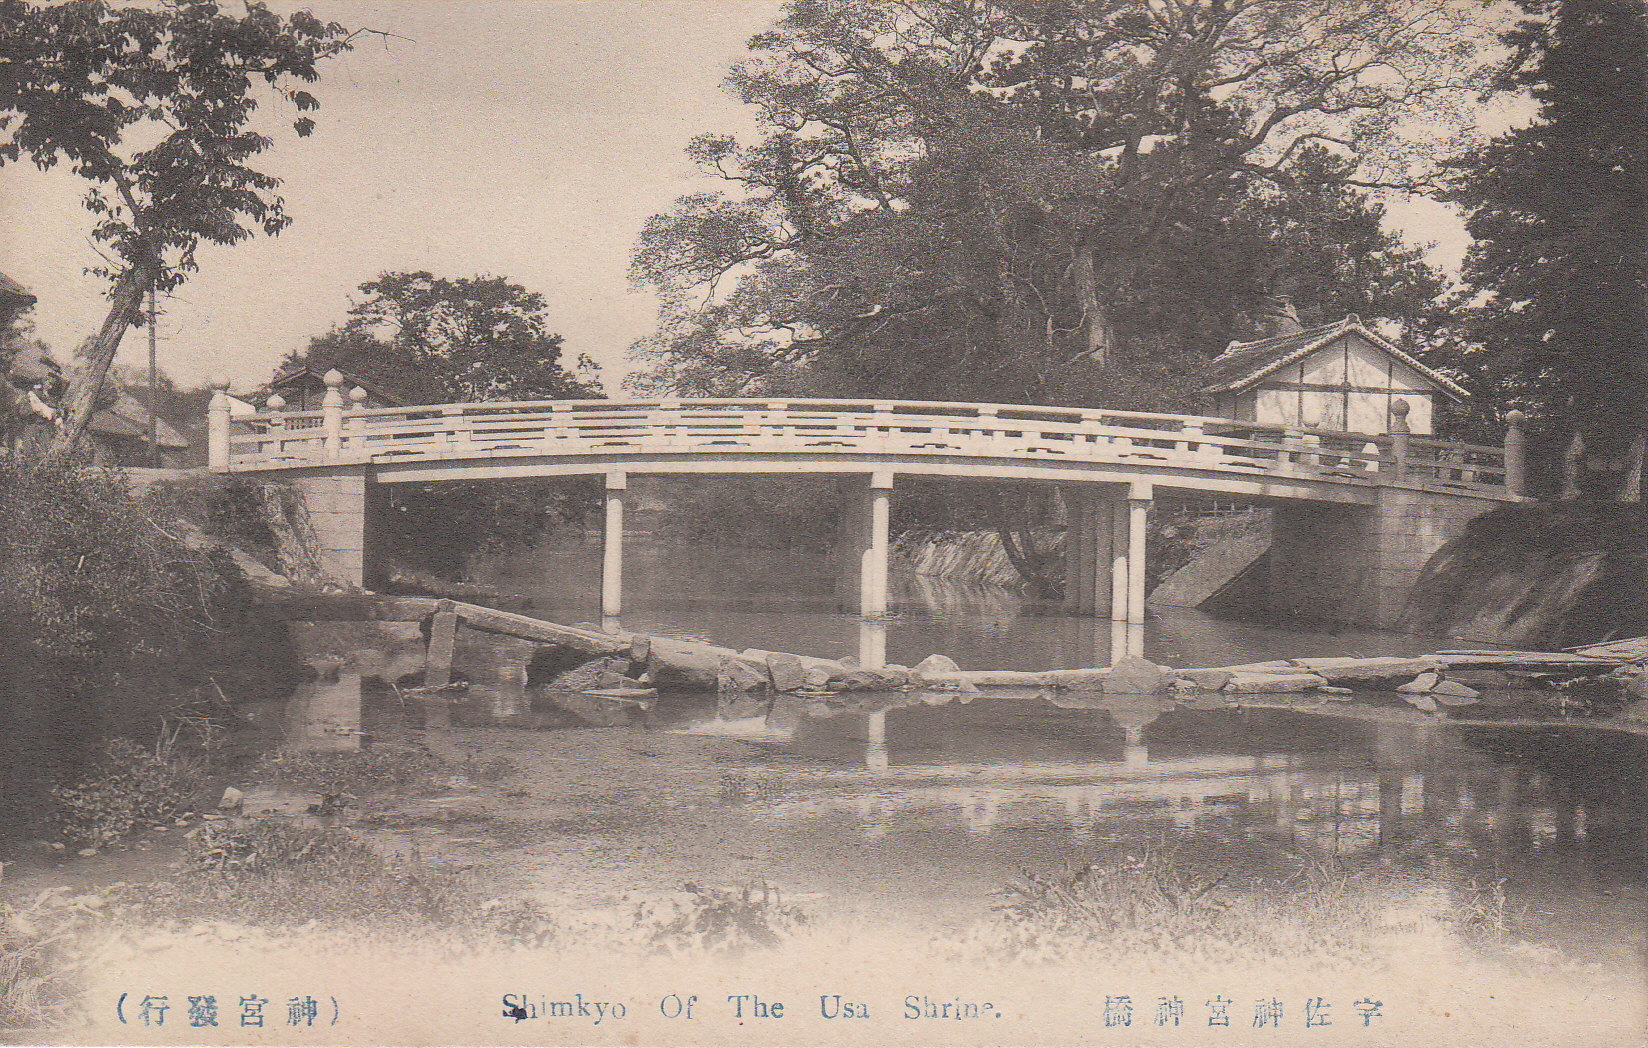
x: 279, y: 439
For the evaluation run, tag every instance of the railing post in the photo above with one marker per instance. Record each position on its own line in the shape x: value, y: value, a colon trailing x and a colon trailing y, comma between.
x: 1399, y: 439
x: 1293, y: 438
x: 1515, y: 452
x: 217, y: 429
x: 355, y: 427
x: 332, y: 415
x: 1313, y: 446
x: 275, y: 405
x: 1192, y: 444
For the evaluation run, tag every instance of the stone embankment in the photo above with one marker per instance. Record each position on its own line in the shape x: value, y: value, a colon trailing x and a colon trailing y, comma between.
x: 975, y: 557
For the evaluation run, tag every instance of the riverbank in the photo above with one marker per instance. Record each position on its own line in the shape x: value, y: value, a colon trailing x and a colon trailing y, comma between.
x: 544, y: 854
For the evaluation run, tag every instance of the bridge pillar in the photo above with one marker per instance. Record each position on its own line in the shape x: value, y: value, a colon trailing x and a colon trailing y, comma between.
x: 336, y: 504
x: 1118, y: 561
x: 873, y: 582
x: 612, y: 552
x: 1138, y: 509
x: 1088, y: 543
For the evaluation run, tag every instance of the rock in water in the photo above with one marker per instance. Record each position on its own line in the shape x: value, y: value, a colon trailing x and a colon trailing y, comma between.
x: 1272, y: 683
x: 816, y: 677
x: 1207, y: 680
x: 1638, y: 688
x: 1420, y: 684
x: 1452, y: 689
x: 1423, y: 702
x: 786, y: 671
x: 735, y: 676
x: 1135, y: 676
x: 937, y: 664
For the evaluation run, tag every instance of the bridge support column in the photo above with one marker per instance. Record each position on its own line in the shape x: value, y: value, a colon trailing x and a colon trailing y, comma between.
x: 1118, y: 561
x: 612, y: 552
x: 1138, y: 510
x: 873, y: 583
x: 336, y: 504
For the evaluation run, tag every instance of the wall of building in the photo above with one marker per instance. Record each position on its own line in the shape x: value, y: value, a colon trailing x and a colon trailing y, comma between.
x: 1357, y: 564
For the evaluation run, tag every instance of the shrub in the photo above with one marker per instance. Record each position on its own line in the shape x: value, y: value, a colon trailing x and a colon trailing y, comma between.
x: 719, y: 920
x: 107, y: 620
x: 126, y: 787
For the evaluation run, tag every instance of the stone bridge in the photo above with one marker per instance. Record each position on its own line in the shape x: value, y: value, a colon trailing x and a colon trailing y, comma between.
x: 1357, y: 514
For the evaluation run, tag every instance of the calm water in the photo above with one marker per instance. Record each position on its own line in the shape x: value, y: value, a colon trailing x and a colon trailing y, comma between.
x: 787, y: 600
x: 933, y: 803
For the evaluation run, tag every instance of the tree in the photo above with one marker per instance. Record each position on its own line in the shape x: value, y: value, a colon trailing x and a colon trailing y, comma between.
x: 153, y: 105
x: 1043, y: 201
x: 436, y: 339
x: 1554, y: 316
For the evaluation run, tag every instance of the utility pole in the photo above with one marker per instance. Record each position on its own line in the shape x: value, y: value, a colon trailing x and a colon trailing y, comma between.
x: 154, y: 385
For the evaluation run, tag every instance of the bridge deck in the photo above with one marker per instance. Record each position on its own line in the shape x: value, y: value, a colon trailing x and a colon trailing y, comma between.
x: 998, y: 441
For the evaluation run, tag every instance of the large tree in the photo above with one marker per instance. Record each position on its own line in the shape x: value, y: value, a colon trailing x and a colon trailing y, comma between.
x: 153, y: 105
x: 437, y: 339
x: 1066, y: 202
x: 1554, y: 316
x: 431, y: 340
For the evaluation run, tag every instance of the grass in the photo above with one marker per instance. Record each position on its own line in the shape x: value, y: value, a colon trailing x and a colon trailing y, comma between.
x: 1151, y: 902
x: 718, y: 920
x: 39, y: 966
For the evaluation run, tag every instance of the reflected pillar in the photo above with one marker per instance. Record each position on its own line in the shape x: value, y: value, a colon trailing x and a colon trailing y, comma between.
x: 875, y: 749
x: 612, y: 552
x: 873, y: 583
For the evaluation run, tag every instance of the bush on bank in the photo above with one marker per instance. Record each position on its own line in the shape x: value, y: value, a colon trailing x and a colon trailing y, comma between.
x: 109, y: 624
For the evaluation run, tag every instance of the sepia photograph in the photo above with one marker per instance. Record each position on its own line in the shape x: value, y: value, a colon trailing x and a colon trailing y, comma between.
x: 824, y: 522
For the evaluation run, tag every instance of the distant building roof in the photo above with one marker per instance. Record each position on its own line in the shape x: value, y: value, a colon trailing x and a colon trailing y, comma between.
x: 1244, y: 364
x: 350, y: 380
x: 127, y: 417
x: 14, y: 294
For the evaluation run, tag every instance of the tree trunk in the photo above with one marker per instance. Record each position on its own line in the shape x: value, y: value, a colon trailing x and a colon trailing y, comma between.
x: 125, y: 305
x: 1096, y: 330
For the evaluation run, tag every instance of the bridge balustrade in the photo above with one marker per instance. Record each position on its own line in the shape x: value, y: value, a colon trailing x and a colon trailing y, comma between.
x: 276, y: 440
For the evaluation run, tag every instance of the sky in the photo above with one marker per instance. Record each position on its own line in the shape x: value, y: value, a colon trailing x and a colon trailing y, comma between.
x: 528, y: 139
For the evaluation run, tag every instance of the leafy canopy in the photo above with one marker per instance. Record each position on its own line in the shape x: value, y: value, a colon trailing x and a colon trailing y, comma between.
x: 1067, y: 202
x: 1554, y: 316
x: 153, y: 105
x: 437, y: 339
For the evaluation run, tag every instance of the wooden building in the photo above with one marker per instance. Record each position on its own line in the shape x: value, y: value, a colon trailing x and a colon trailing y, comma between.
x: 1339, y: 376
x: 304, y: 388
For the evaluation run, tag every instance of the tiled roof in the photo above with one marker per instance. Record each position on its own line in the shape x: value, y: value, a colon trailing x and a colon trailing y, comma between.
x: 350, y: 379
x: 129, y: 418
x: 1244, y: 364
x: 13, y: 292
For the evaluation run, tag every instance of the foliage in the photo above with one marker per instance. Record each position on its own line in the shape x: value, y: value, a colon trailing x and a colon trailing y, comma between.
x: 153, y: 106
x: 431, y: 340
x: 227, y: 507
x: 1043, y: 202
x: 107, y: 622
x: 126, y: 787
x: 720, y: 920
x: 40, y: 966
x: 1553, y: 318
x: 439, y: 339
x: 438, y: 527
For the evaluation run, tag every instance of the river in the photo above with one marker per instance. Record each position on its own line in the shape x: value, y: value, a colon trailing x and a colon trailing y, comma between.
x: 935, y: 806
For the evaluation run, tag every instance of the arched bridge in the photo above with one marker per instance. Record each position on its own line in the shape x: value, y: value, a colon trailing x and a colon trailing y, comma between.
x: 1109, y: 464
